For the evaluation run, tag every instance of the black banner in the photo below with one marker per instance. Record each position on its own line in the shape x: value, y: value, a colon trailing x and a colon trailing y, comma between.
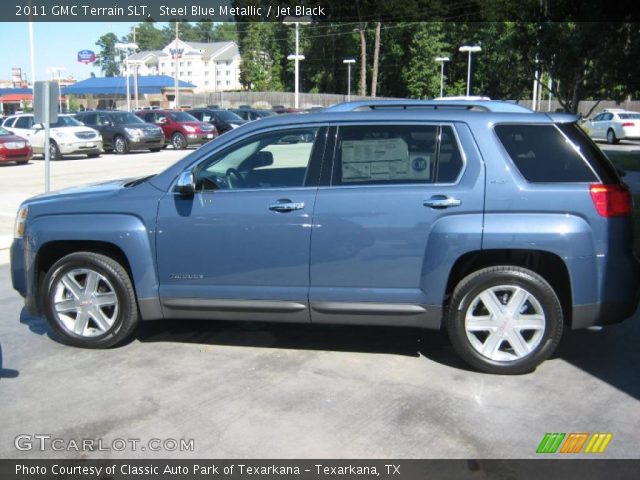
x: 317, y: 10
x: 317, y: 469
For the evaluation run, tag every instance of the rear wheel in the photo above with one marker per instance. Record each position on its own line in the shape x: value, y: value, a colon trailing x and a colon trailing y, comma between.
x: 120, y: 145
x: 611, y: 137
x: 89, y: 300
x: 504, y: 320
x: 178, y: 141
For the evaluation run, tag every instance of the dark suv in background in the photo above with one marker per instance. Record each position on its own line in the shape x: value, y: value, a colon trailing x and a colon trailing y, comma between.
x: 223, y: 120
x: 123, y: 131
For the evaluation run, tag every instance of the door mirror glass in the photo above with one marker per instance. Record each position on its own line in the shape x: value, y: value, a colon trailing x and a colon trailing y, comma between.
x: 186, y: 185
x: 260, y: 159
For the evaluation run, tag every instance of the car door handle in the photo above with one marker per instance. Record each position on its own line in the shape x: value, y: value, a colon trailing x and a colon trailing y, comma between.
x: 442, y: 201
x: 286, y: 206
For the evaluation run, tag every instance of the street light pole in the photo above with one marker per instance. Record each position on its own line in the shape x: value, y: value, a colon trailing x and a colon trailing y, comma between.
x: 126, y: 47
x: 470, y: 49
x: 442, y: 60
x: 349, y: 62
x: 297, y: 57
x: 57, y: 71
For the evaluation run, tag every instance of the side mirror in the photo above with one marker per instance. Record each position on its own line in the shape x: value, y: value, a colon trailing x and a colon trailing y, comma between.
x: 161, y: 121
x: 186, y: 184
x: 37, y: 126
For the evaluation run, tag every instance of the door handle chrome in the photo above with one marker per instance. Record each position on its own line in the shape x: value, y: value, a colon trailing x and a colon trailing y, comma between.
x: 442, y: 201
x: 286, y: 206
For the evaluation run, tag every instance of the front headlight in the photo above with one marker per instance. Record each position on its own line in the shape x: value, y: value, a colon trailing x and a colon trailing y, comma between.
x: 21, y: 219
x: 189, y: 128
x: 134, y: 132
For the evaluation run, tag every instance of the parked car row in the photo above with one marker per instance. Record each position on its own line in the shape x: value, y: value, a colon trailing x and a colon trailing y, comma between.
x: 92, y: 131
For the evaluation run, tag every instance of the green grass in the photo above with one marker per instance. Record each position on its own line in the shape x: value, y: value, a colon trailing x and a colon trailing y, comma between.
x: 629, y: 161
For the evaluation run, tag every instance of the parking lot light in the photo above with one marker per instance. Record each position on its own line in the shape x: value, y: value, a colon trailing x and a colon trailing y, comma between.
x: 469, y: 49
x: 442, y: 60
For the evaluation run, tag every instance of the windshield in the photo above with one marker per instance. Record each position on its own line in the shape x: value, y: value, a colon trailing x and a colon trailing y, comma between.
x: 264, y: 113
x: 4, y: 132
x: 228, y: 116
x: 182, y: 117
x: 66, y: 122
x: 122, y: 118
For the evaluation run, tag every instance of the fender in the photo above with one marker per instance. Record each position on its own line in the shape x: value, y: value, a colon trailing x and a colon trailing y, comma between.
x: 125, y: 231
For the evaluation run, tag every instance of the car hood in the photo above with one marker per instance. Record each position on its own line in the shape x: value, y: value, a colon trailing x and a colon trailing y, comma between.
x: 88, y: 190
x: 11, y: 138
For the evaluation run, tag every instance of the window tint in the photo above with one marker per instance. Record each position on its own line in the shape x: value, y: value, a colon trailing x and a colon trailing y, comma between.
x: 629, y: 116
x: 391, y: 154
x: 542, y: 154
x: 24, y: 122
x: 88, y: 119
x: 274, y: 160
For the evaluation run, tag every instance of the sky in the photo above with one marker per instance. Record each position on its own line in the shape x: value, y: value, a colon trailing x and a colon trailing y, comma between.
x: 56, y: 45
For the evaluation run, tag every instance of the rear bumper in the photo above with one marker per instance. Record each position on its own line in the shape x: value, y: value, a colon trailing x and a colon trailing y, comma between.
x: 619, y: 295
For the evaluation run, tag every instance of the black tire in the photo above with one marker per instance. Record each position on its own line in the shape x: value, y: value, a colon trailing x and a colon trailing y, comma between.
x: 154, y: 150
x: 465, y: 299
x: 126, y: 317
x: 54, y: 151
x: 611, y: 137
x: 178, y: 141
x: 120, y: 145
x: 93, y: 155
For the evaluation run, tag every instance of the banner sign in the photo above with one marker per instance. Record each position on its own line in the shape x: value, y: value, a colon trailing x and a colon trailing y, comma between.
x: 86, y: 56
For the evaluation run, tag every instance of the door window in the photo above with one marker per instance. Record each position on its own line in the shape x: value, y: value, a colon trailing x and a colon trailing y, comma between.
x: 396, y: 154
x: 88, y: 119
x: 275, y: 160
x: 24, y: 122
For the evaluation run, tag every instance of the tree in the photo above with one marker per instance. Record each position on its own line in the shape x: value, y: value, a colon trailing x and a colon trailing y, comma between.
x: 422, y: 73
x: 107, y: 57
x: 261, y: 65
x: 147, y: 37
x: 376, y: 58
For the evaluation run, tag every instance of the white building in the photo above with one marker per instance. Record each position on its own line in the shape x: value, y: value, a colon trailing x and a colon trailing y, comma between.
x: 209, y: 66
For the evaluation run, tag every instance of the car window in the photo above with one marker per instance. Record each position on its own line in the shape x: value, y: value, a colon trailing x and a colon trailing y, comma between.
x: 228, y: 116
x: 23, y: 122
x: 629, y: 116
x: 88, y: 119
x: 8, y: 122
x: 182, y: 117
x: 396, y: 154
x: 103, y: 120
x: 66, y: 121
x: 200, y: 116
x: 607, y: 116
x: 597, y: 118
x: 543, y: 154
x: 274, y: 160
x: 4, y: 132
x: 124, y: 118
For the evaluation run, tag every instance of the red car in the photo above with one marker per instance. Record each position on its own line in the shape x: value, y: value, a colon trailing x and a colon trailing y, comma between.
x: 180, y: 128
x: 14, y: 148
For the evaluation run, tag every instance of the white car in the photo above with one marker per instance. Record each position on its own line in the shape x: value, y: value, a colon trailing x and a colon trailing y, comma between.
x: 614, y: 125
x: 67, y: 136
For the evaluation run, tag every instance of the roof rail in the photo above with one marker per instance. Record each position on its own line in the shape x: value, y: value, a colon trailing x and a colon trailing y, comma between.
x: 474, y: 105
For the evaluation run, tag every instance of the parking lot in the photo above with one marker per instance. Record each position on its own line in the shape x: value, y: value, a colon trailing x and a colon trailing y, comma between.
x: 292, y: 391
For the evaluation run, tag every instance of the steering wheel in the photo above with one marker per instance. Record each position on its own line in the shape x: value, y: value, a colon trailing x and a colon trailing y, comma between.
x: 234, y: 179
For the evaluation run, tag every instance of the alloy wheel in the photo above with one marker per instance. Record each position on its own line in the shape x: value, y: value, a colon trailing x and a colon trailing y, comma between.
x: 85, y: 302
x: 505, y: 323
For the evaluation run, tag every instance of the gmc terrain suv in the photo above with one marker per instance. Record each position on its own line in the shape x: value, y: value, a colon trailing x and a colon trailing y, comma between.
x: 502, y: 225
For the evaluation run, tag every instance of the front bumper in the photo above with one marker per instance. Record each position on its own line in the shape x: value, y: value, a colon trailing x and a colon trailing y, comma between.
x: 199, y: 138
x: 146, y: 143
x: 81, y: 147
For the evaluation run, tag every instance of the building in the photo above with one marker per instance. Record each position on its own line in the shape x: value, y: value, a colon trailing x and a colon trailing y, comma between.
x: 209, y: 66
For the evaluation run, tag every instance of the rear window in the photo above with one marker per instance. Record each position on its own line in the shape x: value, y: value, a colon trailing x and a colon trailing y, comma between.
x: 629, y: 116
x: 543, y: 154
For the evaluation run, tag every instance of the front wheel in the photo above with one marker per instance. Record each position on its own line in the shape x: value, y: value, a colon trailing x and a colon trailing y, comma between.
x: 54, y: 151
x: 89, y: 300
x: 504, y: 320
x: 120, y: 145
x: 178, y: 141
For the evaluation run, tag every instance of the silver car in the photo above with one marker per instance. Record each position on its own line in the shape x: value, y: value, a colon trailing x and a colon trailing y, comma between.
x: 614, y: 125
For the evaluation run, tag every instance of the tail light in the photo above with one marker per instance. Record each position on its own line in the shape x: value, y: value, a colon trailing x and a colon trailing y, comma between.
x: 628, y: 124
x: 611, y: 200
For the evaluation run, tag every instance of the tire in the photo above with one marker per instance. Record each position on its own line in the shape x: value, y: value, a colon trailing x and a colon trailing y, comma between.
x: 154, y: 150
x: 500, y: 348
x: 93, y: 155
x: 178, y: 141
x: 54, y: 151
x: 611, y: 137
x: 110, y: 281
x: 120, y: 145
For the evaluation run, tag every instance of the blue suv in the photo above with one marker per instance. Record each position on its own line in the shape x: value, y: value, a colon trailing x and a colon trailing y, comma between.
x: 501, y: 225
